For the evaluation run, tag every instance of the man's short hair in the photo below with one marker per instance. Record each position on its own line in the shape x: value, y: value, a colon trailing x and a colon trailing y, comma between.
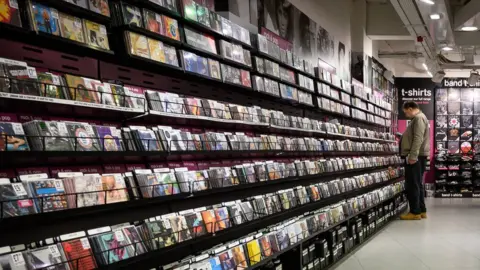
x: 410, y: 105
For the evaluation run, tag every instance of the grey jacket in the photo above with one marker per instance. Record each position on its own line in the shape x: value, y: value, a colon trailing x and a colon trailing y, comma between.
x: 416, y: 139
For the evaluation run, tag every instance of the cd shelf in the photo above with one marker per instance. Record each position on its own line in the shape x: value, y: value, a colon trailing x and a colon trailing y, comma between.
x: 76, y: 10
x: 171, y: 254
x: 68, y: 220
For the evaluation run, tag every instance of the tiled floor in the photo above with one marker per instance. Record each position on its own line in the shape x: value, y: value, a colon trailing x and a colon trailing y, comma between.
x: 448, y: 240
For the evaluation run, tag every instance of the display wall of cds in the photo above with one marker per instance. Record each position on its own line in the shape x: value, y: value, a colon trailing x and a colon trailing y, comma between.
x: 171, y: 229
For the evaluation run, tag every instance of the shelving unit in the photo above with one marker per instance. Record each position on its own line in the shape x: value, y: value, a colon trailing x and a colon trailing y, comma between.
x: 61, y: 56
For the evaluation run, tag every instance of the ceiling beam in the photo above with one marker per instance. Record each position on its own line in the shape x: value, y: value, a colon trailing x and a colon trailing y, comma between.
x: 466, y: 13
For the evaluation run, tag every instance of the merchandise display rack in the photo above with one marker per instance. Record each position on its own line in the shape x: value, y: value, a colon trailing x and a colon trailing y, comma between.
x: 298, y: 115
x: 456, y: 143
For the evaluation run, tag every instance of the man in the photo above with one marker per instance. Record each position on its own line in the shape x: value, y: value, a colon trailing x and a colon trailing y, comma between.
x: 415, y: 148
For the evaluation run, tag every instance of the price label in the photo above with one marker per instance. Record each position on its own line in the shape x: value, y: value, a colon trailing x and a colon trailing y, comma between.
x: 119, y: 236
x: 17, y: 259
x: 19, y: 189
x: 54, y: 251
x: 85, y: 243
x: 59, y: 185
x: 17, y: 129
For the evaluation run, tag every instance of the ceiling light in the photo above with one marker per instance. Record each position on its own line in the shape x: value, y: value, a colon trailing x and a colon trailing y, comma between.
x: 429, y: 74
x: 430, y: 2
x: 447, y: 48
x: 425, y: 66
x: 469, y: 28
x: 435, y: 16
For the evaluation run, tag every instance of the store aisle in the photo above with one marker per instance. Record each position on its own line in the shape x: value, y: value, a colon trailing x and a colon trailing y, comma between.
x: 448, y: 240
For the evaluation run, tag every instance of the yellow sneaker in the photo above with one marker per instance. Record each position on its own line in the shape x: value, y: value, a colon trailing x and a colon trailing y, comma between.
x: 424, y: 215
x: 410, y: 216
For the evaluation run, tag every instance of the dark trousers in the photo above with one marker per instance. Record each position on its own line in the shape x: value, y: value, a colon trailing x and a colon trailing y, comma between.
x: 414, y: 186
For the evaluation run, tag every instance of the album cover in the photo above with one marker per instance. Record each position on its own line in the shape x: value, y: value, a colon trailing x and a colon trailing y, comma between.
x: 441, y: 134
x: 466, y: 147
x: 203, y: 15
x: 466, y: 134
x: 195, y: 223
x: 99, y: 6
x: 254, y: 252
x: 24, y: 78
x: 247, y: 57
x: 226, y: 260
x: 159, y: 234
x: 441, y: 108
x: 466, y: 94
x: 50, y: 85
x: 102, y: 91
x: 85, y: 139
x: 283, y: 239
x: 115, y: 188
x: 226, y: 27
x: 132, y: 15
x: 157, y: 52
x: 171, y: 27
x: 236, y: 31
x: 153, y: 22
x: 476, y: 108
x: 89, y: 189
x: 79, y: 253
x: 113, y: 240
x: 190, y: 10
x: 262, y: 44
x: 466, y: 121
x: 247, y: 210
x: 453, y: 94
x: 467, y: 108
x: 476, y: 137
x: 226, y: 49
x: 222, y: 219
x: 147, y: 140
x: 476, y: 123
x: 12, y: 137
x: 216, y: 22
x: 454, y: 108
x: 15, y: 200
x: 209, y: 220
x: 169, y: 4
x: 453, y: 121
x: 164, y: 184
x: 190, y: 62
x: 135, y: 97
x: 137, y: 44
x: 453, y: 147
x: 56, y: 136
x: 202, y: 66
x: 47, y: 257
x: 180, y: 228
x: 238, y: 254
x: 441, y: 121
x: 52, y: 193
x: 245, y: 76
x: 10, y: 13
x: 265, y: 246
x: 45, y: 19
x: 71, y: 27
x: 96, y: 35
x: 441, y: 95
x: 214, y: 69
x: 13, y: 261
x: 171, y: 55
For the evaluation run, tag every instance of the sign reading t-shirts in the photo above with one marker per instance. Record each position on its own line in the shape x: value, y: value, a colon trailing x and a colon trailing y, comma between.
x: 420, y: 90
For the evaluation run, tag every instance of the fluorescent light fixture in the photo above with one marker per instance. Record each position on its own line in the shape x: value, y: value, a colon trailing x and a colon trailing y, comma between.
x: 425, y: 66
x: 447, y: 48
x: 435, y: 16
x: 469, y: 28
x: 430, y: 2
x: 429, y: 74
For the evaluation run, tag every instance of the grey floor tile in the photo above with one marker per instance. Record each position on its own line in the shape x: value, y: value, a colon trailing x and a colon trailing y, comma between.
x: 449, y: 239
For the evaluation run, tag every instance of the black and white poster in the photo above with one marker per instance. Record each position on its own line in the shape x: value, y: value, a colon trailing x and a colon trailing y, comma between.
x: 343, y: 63
x: 325, y: 45
x: 277, y: 16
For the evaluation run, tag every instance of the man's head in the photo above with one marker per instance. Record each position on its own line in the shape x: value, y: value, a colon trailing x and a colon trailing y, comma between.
x: 410, y: 109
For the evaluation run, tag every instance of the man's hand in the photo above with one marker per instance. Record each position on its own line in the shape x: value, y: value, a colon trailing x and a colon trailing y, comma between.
x: 412, y: 161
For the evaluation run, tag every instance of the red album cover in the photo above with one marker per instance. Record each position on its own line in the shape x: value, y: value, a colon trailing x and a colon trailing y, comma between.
x: 79, y: 254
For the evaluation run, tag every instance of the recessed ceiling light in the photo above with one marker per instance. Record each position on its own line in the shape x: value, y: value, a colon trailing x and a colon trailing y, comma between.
x: 447, y: 48
x: 435, y: 16
x: 425, y: 66
x: 430, y: 2
x: 469, y: 28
